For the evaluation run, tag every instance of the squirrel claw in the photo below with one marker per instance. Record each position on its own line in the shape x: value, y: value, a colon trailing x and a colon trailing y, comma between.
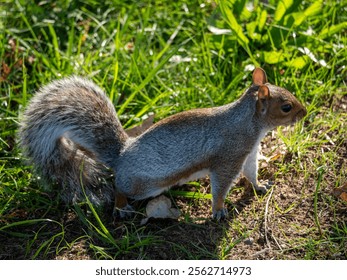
x: 220, y: 214
x: 124, y: 213
x: 264, y: 186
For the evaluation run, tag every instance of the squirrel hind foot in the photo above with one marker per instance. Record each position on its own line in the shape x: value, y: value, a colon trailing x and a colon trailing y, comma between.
x: 263, y: 186
x: 220, y: 215
x: 125, y: 213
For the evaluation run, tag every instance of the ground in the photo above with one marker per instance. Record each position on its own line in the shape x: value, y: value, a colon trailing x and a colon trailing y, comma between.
x: 298, y: 216
x: 159, y: 59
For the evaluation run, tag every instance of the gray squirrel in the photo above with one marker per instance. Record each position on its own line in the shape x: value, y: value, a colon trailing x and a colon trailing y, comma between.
x: 71, y: 134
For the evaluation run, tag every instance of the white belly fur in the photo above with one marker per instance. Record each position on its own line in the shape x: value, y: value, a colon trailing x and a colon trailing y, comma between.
x: 155, y: 191
x: 197, y: 175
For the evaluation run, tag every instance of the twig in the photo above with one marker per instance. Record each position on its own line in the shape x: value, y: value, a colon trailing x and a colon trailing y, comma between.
x: 316, y: 218
x: 279, y: 246
x: 260, y: 252
x: 265, y: 219
x: 265, y: 224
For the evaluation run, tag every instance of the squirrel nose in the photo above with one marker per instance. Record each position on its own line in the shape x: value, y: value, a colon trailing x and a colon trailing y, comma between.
x: 302, y: 113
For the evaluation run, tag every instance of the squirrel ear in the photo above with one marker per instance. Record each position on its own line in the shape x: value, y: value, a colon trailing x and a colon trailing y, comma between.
x: 263, y: 92
x: 259, y: 77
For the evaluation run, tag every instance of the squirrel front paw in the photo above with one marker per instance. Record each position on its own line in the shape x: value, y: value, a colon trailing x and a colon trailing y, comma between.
x: 263, y: 186
x: 221, y: 214
x: 125, y: 213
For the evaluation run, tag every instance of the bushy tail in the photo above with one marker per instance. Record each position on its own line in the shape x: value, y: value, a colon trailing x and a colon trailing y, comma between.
x: 71, y: 135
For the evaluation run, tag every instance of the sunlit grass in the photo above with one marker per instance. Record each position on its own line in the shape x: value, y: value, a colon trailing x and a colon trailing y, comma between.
x: 162, y: 58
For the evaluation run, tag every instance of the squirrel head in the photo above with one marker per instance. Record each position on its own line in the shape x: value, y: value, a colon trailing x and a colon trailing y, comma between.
x: 276, y: 105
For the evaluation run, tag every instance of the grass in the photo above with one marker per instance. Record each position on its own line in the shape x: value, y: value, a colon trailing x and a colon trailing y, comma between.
x: 163, y: 57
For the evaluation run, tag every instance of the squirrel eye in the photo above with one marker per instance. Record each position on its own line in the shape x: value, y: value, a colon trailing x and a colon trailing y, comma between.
x: 286, y: 108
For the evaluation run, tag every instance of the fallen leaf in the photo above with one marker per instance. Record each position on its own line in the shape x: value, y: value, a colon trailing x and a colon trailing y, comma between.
x: 130, y: 47
x: 276, y: 156
x: 5, y: 69
x: 343, y: 196
x: 341, y: 192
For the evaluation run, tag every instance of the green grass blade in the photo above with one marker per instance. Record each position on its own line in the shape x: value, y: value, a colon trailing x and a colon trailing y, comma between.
x: 188, y: 194
x: 232, y: 22
x: 25, y: 223
x: 332, y: 29
x: 55, y: 45
x: 282, y: 7
x: 148, y: 78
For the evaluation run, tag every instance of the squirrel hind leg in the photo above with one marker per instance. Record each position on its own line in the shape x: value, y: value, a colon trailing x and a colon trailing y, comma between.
x: 122, y: 209
x: 221, y: 181
x: 124, y: 213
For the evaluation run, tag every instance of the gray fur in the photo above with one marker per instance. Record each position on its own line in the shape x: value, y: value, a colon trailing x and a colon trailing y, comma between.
x: 70, y: 123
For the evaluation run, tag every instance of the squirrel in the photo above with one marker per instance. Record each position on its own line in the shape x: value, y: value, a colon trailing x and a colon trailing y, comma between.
x: 71, y: 133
